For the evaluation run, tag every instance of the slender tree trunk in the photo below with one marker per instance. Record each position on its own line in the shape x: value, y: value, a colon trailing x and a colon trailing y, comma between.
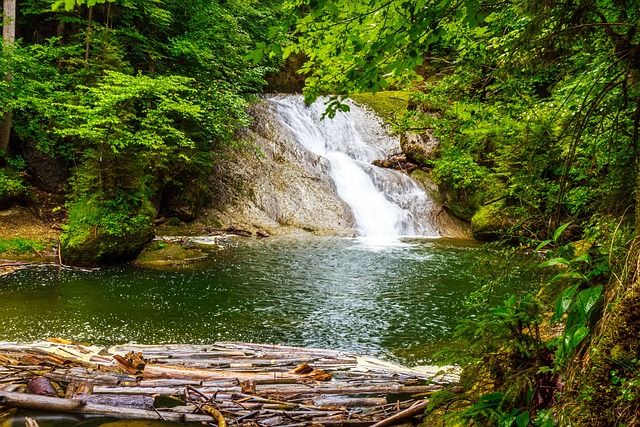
x: 8, y: 38
x: 152, y: 61
x: 88, y: 43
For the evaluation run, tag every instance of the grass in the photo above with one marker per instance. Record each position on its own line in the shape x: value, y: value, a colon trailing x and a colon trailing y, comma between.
x: 21, y: 246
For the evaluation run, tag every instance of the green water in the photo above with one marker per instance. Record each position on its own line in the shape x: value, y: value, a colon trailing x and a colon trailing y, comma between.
x: 399, y: 301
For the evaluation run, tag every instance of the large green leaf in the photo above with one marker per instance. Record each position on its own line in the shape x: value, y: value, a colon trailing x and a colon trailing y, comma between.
x: 560, y: 230
x: 563, y: 302
x: 587, y: 300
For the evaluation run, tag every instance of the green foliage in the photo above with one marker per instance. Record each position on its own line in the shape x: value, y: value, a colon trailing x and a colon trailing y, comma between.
x: 516, y: 354
x: 20, y: 246
x: 11, y: 185
x: 136, y: 94
x: 489, y: 409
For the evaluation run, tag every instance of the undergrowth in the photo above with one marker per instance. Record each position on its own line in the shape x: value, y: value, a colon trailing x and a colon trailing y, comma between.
x: 566, y: 355
x: 21, y: 246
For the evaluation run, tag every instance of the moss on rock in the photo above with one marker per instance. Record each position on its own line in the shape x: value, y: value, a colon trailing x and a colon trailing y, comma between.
x: 606, y: 387
x: 90, y: 248
x: 104, y: 232
x: 489, y: 223
x: 160, y: 253
x: 388, y: 105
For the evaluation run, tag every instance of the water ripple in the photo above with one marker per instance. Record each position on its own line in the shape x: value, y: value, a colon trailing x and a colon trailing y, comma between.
x: 401, y: 300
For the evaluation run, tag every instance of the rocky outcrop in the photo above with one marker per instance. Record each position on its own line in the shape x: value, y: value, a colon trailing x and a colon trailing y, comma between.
x: 419, y: 148
x: 274, y: 184
x: 490, y: 222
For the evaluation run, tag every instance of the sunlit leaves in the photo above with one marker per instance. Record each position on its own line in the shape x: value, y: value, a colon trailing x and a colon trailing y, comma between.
x: 70, y: 4
x: 367, y: 46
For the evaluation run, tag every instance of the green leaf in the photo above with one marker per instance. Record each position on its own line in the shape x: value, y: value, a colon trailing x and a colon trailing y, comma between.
x: 563, y: 302
x: 543, y: 244
x: 582, y: 258
x: 522, y: 420
x: 588, y: 298
x: 567, y: 275
x: 554, y: 261
x: 578, y: 335
x: 560, y: 230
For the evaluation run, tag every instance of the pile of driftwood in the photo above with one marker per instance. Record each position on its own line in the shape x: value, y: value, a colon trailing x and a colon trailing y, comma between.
x: 243, y: 384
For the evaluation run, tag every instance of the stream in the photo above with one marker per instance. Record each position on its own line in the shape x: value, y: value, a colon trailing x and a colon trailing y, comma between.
x: 397, y: 300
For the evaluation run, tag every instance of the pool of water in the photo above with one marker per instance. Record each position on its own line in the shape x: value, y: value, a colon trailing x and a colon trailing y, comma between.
x: 398, y: 300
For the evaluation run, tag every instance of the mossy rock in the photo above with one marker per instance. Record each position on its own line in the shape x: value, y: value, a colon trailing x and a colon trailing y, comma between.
x: 387, y: 105
x: 97, y: 247
x: 160, y: 254
x: 490, y: 223
x: 419, y: 148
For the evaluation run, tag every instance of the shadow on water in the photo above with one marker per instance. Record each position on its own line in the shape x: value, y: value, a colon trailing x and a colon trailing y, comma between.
x: 398, y: 300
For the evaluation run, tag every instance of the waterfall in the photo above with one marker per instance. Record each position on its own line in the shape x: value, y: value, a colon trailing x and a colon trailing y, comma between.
x: 384, y: 202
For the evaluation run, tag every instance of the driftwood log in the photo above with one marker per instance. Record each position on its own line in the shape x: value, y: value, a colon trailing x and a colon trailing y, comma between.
x: 242, y: 384
x: 401, y: 163
x: 73, y: 406
x: 214, y: 231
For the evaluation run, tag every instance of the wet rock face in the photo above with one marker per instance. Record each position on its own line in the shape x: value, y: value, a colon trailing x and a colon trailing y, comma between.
x: 275, y: 184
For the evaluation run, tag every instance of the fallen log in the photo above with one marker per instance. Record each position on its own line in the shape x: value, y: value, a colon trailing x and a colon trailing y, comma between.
x: 166, y: 391
x: 350, y: 389
x: 402, y: 416
x: 56, y: 404
x: 179, y: 372
x: 119, y: 400
x: 345, y: 402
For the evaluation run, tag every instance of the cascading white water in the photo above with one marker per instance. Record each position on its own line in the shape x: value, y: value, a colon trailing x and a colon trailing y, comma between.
x: 384, y: 202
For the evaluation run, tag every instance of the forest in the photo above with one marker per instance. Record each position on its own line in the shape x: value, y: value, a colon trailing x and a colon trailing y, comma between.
x: 123, y: 106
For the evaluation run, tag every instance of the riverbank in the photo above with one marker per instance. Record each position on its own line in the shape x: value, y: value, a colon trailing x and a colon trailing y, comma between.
x: 25, y: 237
x: 228, y: 382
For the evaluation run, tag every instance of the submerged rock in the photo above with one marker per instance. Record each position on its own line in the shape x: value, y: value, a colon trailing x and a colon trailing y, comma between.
x: 169, y: 253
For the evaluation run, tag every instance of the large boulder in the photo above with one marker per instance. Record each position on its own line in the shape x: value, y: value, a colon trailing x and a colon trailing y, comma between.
x: 419, y: 148
x: 106, y: 232
x: 490, y: 222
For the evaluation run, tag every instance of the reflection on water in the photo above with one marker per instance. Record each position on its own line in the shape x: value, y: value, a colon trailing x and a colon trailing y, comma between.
x: 397, y: 300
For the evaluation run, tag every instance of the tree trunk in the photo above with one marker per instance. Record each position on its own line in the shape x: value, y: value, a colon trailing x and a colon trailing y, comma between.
x: 8, y: 38
x: 88, y: 41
